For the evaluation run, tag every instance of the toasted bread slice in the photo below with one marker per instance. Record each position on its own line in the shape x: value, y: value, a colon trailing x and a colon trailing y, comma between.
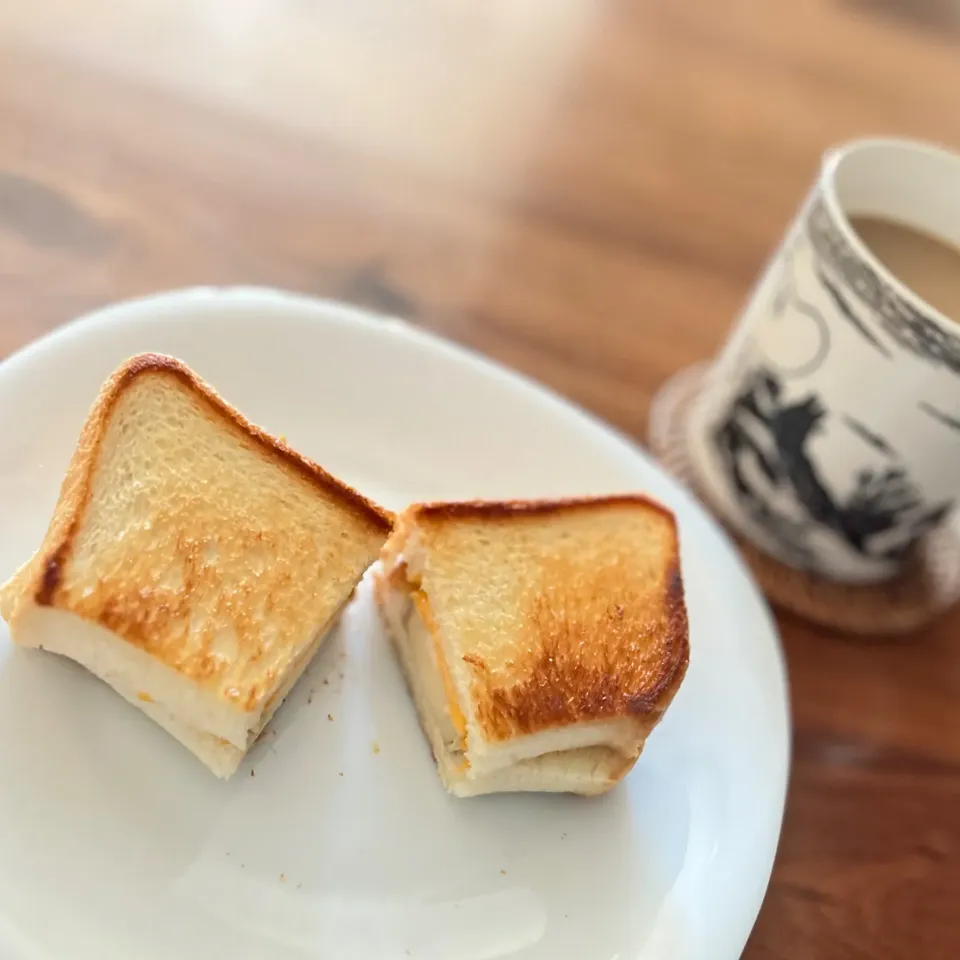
x: 193, y: 562
x: 542, y: 641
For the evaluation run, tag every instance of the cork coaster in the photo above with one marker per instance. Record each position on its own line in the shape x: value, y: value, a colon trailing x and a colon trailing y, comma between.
x: 927, y: 584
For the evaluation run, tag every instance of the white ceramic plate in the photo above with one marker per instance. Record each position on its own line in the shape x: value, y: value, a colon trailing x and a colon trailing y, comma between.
x: 116, y: 843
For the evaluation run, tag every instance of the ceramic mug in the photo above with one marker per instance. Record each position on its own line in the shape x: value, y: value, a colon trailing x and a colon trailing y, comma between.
x: 828, y: 429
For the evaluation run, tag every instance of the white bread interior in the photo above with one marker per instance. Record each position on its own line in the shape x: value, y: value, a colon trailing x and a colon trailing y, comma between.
x: 618, y: 736
x: 588, y: 771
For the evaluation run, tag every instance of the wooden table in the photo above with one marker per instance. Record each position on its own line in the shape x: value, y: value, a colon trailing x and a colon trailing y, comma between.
x: 584, y: 190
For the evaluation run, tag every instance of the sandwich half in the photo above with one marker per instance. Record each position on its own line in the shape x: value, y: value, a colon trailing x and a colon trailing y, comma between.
x: 541, y: 641
x: 193, y: 562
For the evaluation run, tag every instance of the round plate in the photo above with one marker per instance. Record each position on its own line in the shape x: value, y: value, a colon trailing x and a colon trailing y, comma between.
x: 336, y: 839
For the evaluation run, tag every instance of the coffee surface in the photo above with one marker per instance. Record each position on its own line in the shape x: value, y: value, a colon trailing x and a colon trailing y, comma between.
x: 929, y: 266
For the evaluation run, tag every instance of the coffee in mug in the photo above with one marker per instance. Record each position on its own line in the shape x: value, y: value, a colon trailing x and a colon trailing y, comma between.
x: 828, y: 429
x: 929, y: 266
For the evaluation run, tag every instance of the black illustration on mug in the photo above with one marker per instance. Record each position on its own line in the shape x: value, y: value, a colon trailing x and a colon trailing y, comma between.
x: 848, y: 312
x: 870, y: 437
x: 931, y: 411
x: 764, y: 445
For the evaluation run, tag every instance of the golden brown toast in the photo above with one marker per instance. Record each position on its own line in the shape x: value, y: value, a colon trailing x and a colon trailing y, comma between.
x: 199, y: 540
x: 549, y: 616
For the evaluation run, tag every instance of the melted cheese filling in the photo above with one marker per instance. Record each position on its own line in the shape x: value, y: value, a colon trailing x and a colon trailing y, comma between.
x: 451, y: 707
x: 426, y: 660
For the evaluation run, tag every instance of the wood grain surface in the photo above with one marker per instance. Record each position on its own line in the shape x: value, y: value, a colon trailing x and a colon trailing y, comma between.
x: 583, y: 190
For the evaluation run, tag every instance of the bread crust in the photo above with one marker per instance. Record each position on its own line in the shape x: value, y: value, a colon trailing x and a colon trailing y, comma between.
x: 511, y: 509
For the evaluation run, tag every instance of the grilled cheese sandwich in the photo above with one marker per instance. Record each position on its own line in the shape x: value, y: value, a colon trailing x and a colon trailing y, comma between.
x: 193, y: 562
x: 542, y: 641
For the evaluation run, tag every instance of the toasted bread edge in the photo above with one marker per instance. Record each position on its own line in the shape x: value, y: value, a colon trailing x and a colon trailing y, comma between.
x: 513, y: 509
